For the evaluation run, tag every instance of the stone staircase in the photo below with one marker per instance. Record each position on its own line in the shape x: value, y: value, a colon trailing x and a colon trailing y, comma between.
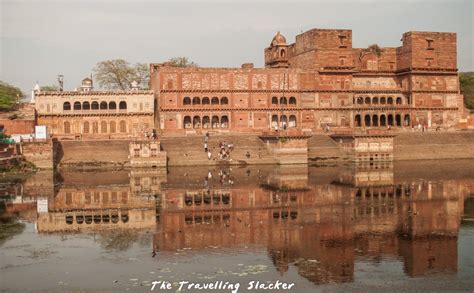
x: 321, y: 147
x: 188, y: 151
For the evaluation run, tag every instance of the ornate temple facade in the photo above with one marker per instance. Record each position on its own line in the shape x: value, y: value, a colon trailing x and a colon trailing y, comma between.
x: 89, y: 114
x: 317, y: 82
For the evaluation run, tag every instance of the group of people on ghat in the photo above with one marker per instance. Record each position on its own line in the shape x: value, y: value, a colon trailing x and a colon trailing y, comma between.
x: 224, y: 149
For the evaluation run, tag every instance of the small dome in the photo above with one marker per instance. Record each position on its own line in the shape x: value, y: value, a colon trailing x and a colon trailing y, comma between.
x: 278, y: 39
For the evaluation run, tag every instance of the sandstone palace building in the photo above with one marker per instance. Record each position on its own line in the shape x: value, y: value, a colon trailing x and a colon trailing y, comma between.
x: 316, y: 83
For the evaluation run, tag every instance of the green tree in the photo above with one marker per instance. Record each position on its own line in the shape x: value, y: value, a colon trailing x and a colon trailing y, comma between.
x: 50, y: 88
x: 182, y: 62
x: 466, y: 80
x: 118, y: 74
x: 9, y: 95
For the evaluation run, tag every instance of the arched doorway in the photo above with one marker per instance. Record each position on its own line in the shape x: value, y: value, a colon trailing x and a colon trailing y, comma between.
x: 215, y: 101
x: 215, y: 121
x: 292, y: 101
x: 95, y: 106
x: 375, y: 120
x: 367, y: 120
x: 186, y: 101
x: 103, y: 105
x: 283, y: 121
x: 274, y: 101
x: 274, y: 121
x: 224, y: 101
x: 383, y: 120
x: 206, y: 101
x: 283, y: 101
x: 357, y: 121
x: 398, y: 120
x: 224, y: 121
x: 196, y: 122
x: 406, y: 120
x: 390, y: 119
x: 206, y: 122
x: 292, y: 121
x: 196, y: 101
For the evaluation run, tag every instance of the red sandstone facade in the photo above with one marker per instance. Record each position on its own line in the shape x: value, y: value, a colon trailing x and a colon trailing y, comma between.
x: 318, y: 81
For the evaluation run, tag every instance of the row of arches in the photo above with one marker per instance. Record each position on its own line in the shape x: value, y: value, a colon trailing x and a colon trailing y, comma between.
x: 95, y: 105
x: 283, y: 121
x: 93, y: 127
x: 206, y: 122
x: 205, y: 101
x: 376, y: 120
x: 98, y: 218
x: 378, y: 100
x: 283, y: 101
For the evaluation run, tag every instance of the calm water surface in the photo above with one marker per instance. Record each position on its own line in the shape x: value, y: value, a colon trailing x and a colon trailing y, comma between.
x: 390, y: 227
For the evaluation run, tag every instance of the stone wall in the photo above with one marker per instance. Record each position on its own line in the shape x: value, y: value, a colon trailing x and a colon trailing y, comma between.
x: 18, y: 126
x: 39, y: 153
x: 93, y: 154
x: 434, y: 146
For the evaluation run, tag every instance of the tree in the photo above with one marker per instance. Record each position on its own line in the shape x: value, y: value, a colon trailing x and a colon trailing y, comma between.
x: 118, y: 74
x: 374, y: 48
x: 50, y: 88
x: 466, y: 81
x: 182, y: 62
x: 9, y: 95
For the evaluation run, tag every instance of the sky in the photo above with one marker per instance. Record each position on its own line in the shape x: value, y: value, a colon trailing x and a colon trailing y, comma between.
x: 41, y: 39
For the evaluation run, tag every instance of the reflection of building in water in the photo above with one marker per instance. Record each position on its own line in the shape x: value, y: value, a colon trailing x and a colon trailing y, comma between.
x: 123, y: 200
x: 322, y: 228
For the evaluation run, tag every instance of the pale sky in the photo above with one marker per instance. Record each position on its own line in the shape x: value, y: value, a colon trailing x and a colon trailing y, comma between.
x: 41, y: 39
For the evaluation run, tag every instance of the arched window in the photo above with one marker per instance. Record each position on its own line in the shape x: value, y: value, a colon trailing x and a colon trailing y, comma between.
x: 274, y: 101
x: 186, y: 101
x: 224, y: 121
x: 215, y: 122
x: 360, y: 100
x: 382, y: 100
x: 399, y: 101
x: 103, y: 127
x: 86, y: 106
x: 123, y: 126
x: 375, y: 100
x: 67, y: 127
x: 206, y: 101
x: 67, y: 106
x: 85, y: 128
x: 197, y: 122
x: 187, y: 122
x: 196, y: 101
x: 283, y: 101
x: 123, y: 105
x: 367, y: 100
x: 112, y: 105
x: 95, y: 127
x: 390, y: 119
x: 215, y: 101
x: 398, y: 120
x: 367, y: 120
x: 206, y: 122
x: 274, y: 121
x: 357, y: 120
x: 375, y: 120
x: 390, y: 100
x: 407, y: 120
x: 283, y: 121
x: 113, y: 127
x: 103, y: 105
x: 282, y: 53
x: 95, y: 106
x: 292, y: 101
x: 383, y: 120
x: 292, y: 121
x: 77, y: 106
x: 224, y: 101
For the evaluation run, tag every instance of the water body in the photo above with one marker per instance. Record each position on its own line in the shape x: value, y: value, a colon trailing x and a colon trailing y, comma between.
x: 384, y: 227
